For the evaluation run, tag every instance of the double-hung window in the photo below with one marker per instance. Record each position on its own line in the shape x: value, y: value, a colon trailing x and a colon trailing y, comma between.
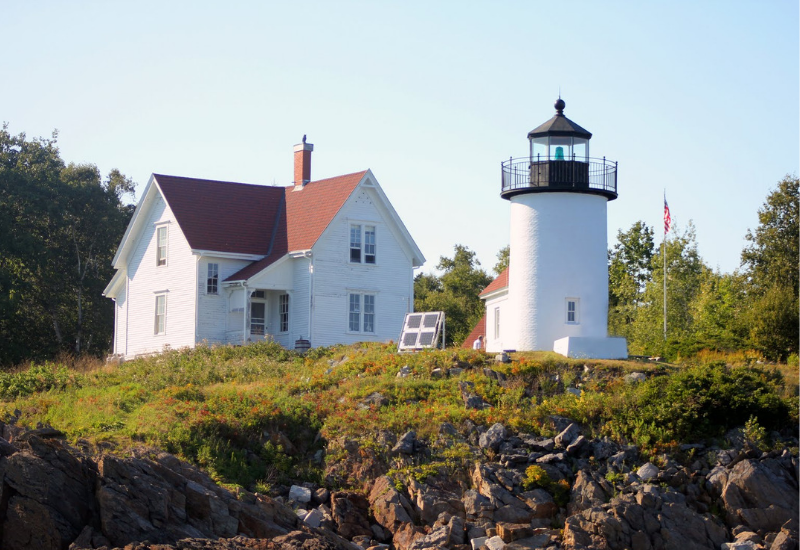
x: 361, y: 313
x: 161, y: 245
x: 160, y: 325
x: 573, y: 312
x: 212, y: 280
x: 363, y: 244
x: 496, y: 323
x: 283, y: 305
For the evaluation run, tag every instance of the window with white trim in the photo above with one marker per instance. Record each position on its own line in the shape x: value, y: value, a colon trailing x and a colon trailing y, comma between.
x: 361, y: 313
x: 160, y: 324
x: 283, y: 311
x: 161, y: 245
x: 212, y: 280
x: 573, y: 312
x: 496, y: 323
x: 363, y: 244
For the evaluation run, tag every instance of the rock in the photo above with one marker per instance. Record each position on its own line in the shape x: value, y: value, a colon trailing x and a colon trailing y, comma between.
x: 536, y: 541
x: 541, y: 503
x: 642, y: 519
x: 493, y: 437
x: 471, y: 401
x: 560, y: 423
x: 787, y: 539
x: 495, y: 543
x: 375, y: 399
x: 567, y: 436
x: 634, y: 378
x: 740, y: 545
x: 405, y: 371
x: 509, y: 513
x: 434, y: 497
x: 510, y: 532
x: 576, y: 446
x: 6, y: 448
x: 406, y: 535
x: 313, y: 518
x: 298, y: 494
x: 760, y: 494
x: 543, y: 445
x: 586, y: 493
x: 388, y: 506
x: 350, y: 512
x: 502, y: 358
x: 478, y: 542
x: 648, y: 471
x: 439, y: 537
x: 406, y: 445
x: 574, y: 391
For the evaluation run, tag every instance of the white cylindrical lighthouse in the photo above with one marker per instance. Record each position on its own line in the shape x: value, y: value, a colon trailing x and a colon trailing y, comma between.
x: 558, y: 269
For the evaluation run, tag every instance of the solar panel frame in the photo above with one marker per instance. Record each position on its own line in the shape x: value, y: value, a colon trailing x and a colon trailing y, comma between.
x: 421, y: 330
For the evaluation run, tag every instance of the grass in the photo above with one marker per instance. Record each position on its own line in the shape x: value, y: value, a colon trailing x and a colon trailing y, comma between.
x: 256, y: 415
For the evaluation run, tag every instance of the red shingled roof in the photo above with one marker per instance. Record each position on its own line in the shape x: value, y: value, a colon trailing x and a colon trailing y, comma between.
x: 500, y: 282
x: 311, y: 210
x: 479, y: 330
x: 254, y: 219
x: 222, y: 216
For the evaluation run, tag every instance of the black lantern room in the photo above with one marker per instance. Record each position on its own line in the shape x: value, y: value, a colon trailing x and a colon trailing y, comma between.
x: 559, y: 161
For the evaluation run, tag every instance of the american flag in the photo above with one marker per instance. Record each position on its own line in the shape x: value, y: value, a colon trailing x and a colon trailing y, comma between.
x: 667, y: 217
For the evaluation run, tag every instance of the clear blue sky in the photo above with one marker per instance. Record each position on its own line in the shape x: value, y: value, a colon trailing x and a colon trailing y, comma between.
x: 696, y: 98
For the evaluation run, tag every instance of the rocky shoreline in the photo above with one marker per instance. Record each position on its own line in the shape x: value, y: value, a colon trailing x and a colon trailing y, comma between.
x: 566, y: 492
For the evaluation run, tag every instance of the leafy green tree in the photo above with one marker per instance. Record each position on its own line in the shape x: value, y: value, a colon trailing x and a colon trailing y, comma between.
x: 629, y: 270
x: 771, y: 262
x: 455, y: 292
x: 503, y: 258
x: 685, y: 272
x: 59, y: 227
x: 717, y: 312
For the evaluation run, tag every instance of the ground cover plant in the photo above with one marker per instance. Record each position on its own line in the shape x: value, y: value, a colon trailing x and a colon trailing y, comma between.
x: 261, y: 415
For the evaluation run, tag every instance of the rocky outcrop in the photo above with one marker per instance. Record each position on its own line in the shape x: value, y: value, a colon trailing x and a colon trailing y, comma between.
x: 644, y: 518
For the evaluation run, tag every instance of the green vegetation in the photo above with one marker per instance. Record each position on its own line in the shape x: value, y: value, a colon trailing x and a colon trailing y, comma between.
x: 59, y: 228
x: 257, y: 415
x: 752, y: 309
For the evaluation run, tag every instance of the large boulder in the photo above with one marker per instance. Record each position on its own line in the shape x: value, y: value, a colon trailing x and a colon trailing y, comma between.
x: 760, y: 494
x: 388, y: 506
x: 350, y: 513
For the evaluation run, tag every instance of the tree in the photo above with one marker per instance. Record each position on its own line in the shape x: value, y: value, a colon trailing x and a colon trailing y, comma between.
x: 772, y: 254
x: 503, y: 258
x: 455, y: 292
x: 771, y: 262
x: 59, y: 227
x: 685, y: 271
x: 629, y: 270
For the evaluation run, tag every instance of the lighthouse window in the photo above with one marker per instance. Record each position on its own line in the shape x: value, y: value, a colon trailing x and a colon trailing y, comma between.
x: 572, y: 311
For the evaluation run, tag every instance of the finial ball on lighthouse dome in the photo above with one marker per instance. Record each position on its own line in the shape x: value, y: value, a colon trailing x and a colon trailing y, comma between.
x: 560, y: 104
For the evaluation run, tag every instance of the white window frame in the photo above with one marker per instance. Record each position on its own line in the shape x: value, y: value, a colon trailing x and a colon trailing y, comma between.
x: 572, y: 310
x: 160, y: 317
x: 497, y: 323
x: 161, y: 258
x: 212, y: 279
x: 359, y: 316
x: 283, y: 313
x: 363, y: 243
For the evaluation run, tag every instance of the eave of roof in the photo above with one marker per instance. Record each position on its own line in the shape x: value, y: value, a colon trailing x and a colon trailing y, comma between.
x: 499, y: 283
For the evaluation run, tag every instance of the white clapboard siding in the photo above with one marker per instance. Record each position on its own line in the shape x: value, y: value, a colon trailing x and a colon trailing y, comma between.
x: 212, y: 309
x: 176, y: 280
x: 120, y: 319
x: 390, y: 278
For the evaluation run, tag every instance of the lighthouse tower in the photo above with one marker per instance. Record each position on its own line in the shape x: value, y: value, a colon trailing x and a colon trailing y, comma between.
x: 558, y: 269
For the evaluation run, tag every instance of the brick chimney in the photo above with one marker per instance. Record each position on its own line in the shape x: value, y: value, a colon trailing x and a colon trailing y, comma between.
x: 302, y: 164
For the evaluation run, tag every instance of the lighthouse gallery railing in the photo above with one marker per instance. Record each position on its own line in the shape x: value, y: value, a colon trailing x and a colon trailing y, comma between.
x: 596, y: 175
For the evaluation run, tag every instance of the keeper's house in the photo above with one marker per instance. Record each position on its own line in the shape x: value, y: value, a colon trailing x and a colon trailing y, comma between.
x: 326, y: 261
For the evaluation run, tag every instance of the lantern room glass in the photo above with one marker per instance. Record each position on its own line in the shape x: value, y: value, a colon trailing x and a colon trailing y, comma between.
x: 559, y: 148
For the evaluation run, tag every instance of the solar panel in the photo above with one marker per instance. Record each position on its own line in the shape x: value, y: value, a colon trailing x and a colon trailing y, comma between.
x: 421, y: 330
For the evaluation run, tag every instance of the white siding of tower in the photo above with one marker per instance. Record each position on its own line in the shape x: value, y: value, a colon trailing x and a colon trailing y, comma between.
x: 558, y: 251
x: 335, y: 277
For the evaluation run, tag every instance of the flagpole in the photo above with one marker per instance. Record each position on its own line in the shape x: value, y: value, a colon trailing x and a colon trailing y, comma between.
x: 667, y: 223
